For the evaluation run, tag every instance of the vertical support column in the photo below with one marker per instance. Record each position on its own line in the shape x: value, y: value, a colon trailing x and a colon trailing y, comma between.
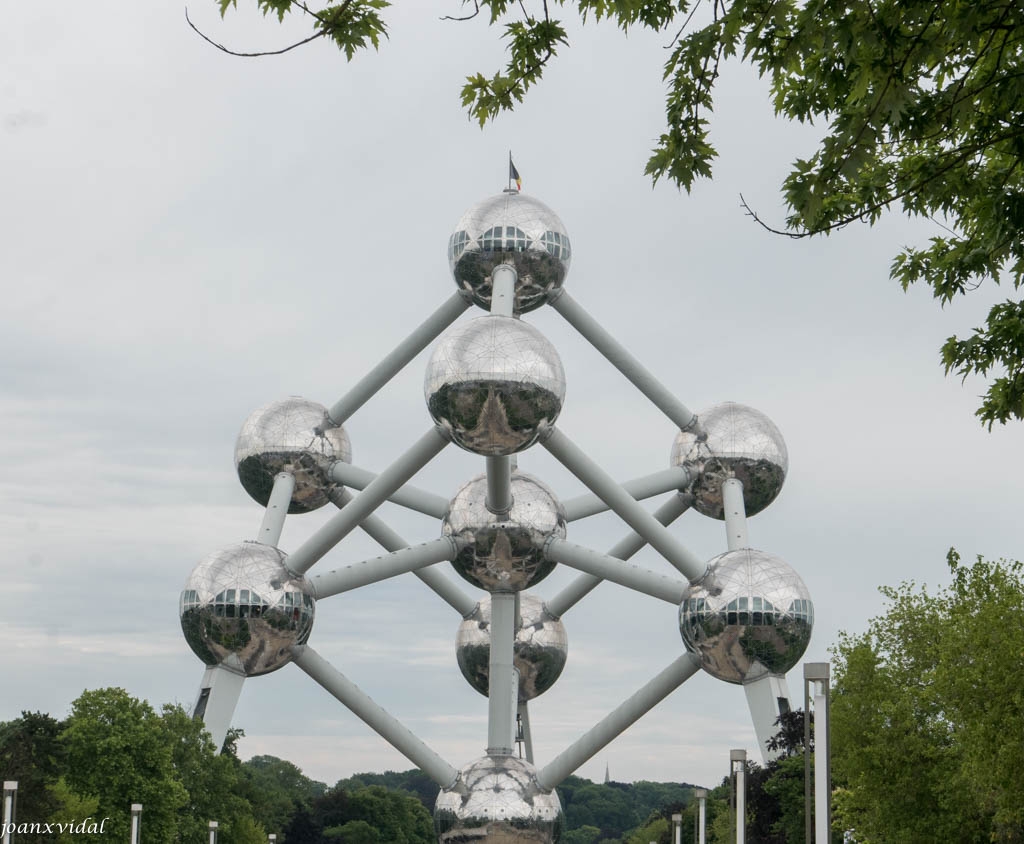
x: 735, y: 514
x: 524, y: 723
x: 136, y: 829
x: 272, y: 838
x: 212, y: 826
x: 218, y: 696
x: 677, y: 829
x: 10, y: 802
x: 767, y: 699
x: 702, y: 805
x: 499, y: 469
x: 503, y: 679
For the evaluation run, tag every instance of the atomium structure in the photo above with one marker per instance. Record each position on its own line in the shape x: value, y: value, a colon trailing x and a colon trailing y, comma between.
x: 495, y: 386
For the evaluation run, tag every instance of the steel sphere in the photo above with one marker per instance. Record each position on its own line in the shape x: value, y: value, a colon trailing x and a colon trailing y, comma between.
x: 504, y: 554
x: 497, y: 800
x: 295, y: 436
x: 540, y: 648
x: 733, y: 441
x: 750, y: 615
x: 510, y: 229
x: 495, y: 384
x: 241, y: 608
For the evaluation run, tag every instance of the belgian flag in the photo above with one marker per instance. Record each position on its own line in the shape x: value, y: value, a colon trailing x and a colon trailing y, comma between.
x: 513, y: 174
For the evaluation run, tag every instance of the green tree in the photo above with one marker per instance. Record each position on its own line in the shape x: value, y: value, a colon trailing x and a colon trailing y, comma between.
x: 118, y: 752
x: 582, y: 835
x: 211, y: 781
x: 921, y: 103
x: 927, y: 719
x: 32, y: 755
x: 274, y: 788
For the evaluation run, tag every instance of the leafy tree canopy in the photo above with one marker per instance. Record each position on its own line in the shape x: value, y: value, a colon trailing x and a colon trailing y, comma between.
x: 921, y: 104
x: 927, y: 712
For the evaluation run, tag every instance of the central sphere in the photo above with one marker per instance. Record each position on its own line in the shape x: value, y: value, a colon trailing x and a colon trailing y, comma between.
x: 241, y: 608
x: 295, y: 436
x: 504, y: 553
x: 495, y: 384
x: 497, y: 800
x: 733, y: 441
x: 750, y: 615
x: 510, y: 229
x: 539, y: 652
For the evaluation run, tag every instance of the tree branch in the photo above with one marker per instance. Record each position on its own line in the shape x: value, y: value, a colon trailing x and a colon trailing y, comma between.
x: 224, y: 49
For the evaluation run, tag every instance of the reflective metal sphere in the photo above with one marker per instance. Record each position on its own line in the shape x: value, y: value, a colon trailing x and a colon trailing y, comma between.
x: 241, y: 608
x: 495, y: 383
x: 296, y: 436
x: 504, y: 555
x: 750, y: 615
x: 735, y: 441
x: 540, y: 649
x: 510, y: 229
x: 496, y: 800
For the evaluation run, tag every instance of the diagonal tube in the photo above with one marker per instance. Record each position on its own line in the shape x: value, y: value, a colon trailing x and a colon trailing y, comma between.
x: 376, y: 493
x: 381, y: 568
x: 621, y: 359
x: 676, y: 478
x: 380, y: 721
x: 388, y: 539
x: 626, y: 507
x: 394, y: 362
x: 617, y: 721
x: 611, y: 568
x: 623, y: 549
x: 277, y: 508
x: 407, y: 496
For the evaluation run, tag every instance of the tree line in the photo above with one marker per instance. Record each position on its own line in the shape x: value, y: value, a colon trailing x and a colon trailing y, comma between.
x: 113, y: 750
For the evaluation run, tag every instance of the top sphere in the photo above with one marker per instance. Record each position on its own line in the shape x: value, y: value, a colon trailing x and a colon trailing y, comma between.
x: 241, y: 608
x: 732, y: 441
x: 295, y: 436
x: 510, y: 229
x: 497, y: 800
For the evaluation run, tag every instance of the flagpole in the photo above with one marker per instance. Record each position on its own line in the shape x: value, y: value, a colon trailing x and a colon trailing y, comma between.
x: 510, y: 169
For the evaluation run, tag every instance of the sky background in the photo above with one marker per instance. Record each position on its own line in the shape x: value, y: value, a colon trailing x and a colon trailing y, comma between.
x: 188, y: 236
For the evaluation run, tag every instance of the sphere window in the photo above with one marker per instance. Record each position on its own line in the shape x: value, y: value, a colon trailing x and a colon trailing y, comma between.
x: 557, y: 245
x: 457, y: 244
x: 504, y: 239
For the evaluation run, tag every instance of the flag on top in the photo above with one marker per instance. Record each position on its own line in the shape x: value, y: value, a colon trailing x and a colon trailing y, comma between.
x: 513, y: 174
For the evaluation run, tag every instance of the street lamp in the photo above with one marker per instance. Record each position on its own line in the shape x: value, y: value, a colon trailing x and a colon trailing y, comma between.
x: 816, y: 676
x: 136, y: 829
x: 701, y: 820
x: 10, y: 803
x: 738, y: 767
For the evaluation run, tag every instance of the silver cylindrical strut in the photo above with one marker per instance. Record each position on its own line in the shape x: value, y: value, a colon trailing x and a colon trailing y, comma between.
x: 503, y: 679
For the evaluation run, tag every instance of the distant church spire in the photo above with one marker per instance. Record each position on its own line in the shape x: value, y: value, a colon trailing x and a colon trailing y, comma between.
x: 607, y: 778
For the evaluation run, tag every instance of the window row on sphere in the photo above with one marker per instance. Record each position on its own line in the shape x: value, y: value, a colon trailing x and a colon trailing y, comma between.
x: 753, y: 611
x: 244, y: 603
x: 509, y: 239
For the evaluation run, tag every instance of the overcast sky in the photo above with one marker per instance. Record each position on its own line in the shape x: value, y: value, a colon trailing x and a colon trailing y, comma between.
x: 188, y: 236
